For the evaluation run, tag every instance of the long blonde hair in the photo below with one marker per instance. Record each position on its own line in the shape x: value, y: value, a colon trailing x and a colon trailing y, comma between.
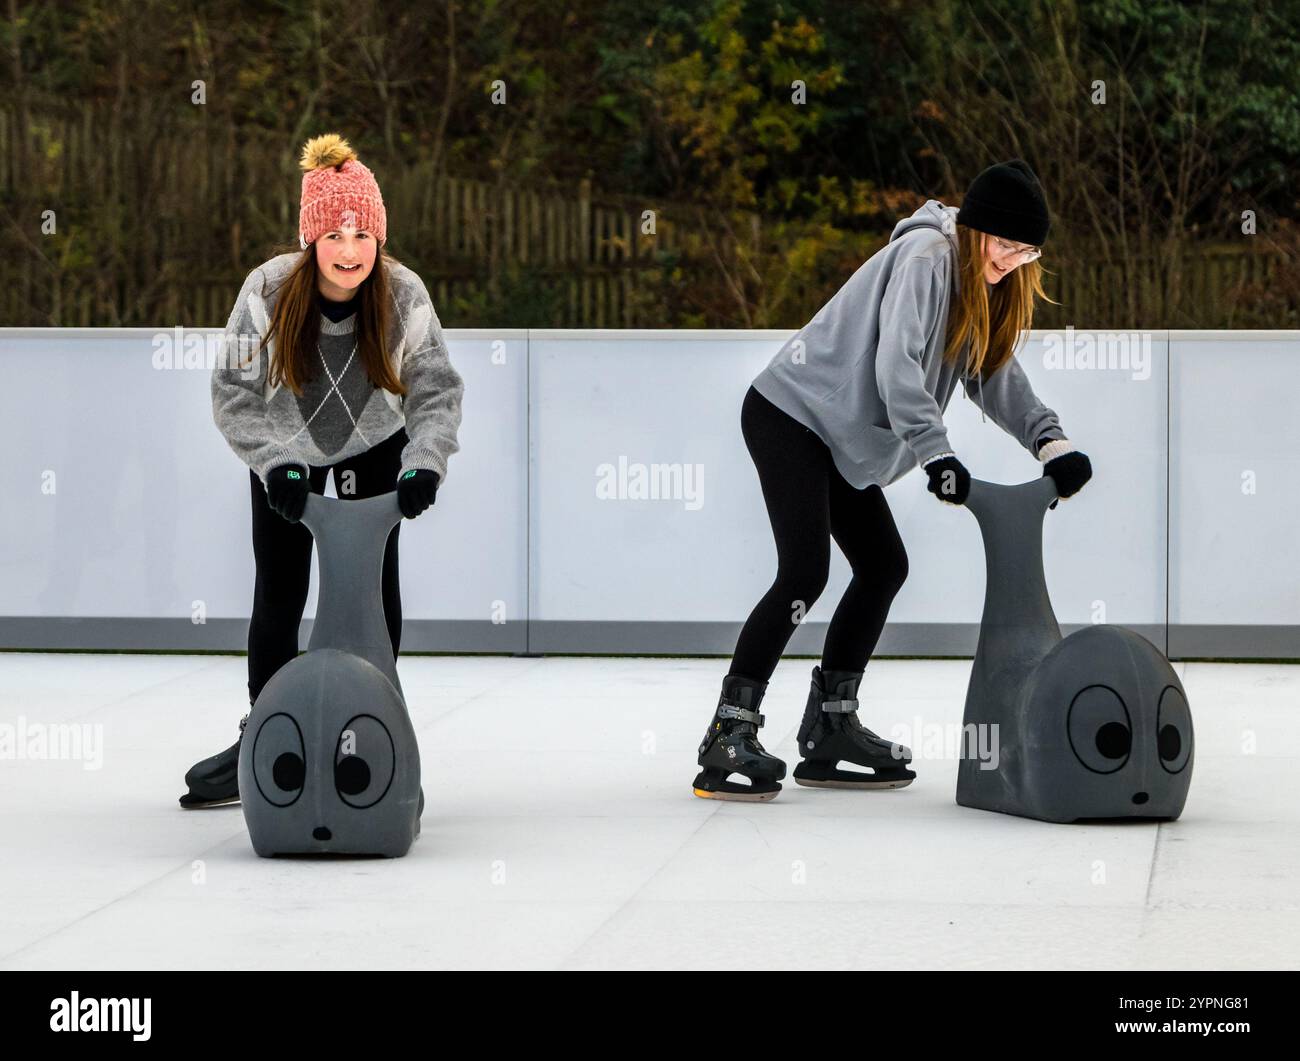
x: 990, y: 321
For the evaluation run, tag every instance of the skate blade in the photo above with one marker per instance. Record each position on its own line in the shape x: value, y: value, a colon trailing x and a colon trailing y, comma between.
x: 737, y: 797
x: 808, y: 782
x: 205, y: 804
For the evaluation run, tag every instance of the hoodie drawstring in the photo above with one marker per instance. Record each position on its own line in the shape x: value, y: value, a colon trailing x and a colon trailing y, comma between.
x: 979, y: 383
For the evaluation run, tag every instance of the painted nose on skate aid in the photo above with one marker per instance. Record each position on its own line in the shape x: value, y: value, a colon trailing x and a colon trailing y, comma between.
x: 1092, y: 726
x: 329, y: 763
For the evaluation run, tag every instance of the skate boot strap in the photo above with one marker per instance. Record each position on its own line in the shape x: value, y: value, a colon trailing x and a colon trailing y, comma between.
x: 742, y: 714
x: 840, y: 706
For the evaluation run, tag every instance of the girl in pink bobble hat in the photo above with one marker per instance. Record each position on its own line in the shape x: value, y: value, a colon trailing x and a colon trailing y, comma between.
x: 336, y: 184
x: 348, y: 371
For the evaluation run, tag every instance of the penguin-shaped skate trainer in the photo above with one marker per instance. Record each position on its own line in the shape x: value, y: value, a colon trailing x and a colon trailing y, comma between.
x: 329, y: 762
x: 1095, y: 725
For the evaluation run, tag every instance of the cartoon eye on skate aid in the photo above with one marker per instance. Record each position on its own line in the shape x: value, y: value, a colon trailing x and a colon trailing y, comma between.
x: 1092, y: 726
x: 329, y: 762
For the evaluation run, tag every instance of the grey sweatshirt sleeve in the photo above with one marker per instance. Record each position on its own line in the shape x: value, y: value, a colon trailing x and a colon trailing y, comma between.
x: 909, y: 312
x: 238, y: 408
x: 1009, y: 399
x: 432, y: 402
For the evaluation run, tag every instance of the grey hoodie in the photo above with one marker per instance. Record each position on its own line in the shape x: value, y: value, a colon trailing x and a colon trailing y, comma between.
x: 867, y: 373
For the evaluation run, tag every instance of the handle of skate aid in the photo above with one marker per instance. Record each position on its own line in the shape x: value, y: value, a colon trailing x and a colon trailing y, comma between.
x: 996, y: 502
x: 351, y: 537
x: 380, y: 512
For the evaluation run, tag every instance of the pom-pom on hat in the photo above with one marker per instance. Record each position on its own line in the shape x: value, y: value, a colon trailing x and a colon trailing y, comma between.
x: 337, y: 191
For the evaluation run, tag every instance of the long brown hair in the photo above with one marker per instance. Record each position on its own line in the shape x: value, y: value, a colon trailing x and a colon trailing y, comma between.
x: 991, y: 321
x: 295, y: 326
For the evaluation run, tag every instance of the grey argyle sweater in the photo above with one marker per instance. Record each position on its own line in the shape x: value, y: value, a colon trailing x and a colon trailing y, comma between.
x: 340, y: 413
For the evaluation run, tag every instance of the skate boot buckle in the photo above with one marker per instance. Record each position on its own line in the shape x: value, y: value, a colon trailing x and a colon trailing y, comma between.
x: 742, y: 714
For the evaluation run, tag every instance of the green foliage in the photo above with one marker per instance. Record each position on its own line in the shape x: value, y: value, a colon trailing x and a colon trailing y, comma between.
x: 686, y: 102
x: 524, y: 297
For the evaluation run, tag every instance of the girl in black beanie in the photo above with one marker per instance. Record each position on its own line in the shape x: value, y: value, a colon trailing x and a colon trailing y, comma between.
x: 851, y: 403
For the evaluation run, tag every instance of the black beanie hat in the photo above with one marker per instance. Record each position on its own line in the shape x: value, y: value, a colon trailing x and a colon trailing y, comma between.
x: 1006, y: 200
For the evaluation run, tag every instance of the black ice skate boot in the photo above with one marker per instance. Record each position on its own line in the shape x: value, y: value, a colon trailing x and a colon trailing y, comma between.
x: 731, y: 746
x: 214, y: 782
x: 831, y: 732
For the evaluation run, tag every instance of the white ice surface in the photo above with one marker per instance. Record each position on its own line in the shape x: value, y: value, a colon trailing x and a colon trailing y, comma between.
x: 560, y: 832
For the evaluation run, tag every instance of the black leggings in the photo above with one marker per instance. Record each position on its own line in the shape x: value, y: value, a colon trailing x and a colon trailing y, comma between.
x: 808, y: 502
x: 283, y: 554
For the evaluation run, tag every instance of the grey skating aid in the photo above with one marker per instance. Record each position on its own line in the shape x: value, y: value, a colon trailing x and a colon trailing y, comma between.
x: 1095, y: 725
x: 329, y: 762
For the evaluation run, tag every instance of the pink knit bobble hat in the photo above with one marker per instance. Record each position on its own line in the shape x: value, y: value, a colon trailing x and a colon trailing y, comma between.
x: 337, y: 191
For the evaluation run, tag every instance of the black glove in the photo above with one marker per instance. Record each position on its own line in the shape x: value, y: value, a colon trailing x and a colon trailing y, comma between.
x: 287, y: 488
x: 1069, y: 471
x: 949, y: 480
x: 416, y: 491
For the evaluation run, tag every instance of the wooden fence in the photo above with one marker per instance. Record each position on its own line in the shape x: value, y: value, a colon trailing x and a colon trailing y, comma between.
x: 183, y: 209
x: 182, y: 195
x: 1207, y: 289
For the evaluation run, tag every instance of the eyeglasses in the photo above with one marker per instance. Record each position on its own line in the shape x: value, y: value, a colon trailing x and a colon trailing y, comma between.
x: 1023, y: 254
